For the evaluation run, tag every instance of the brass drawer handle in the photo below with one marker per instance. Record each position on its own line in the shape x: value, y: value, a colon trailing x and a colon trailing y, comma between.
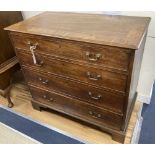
x: 49, y: 100
x: 93, y: 97
x: 95, y: 115
x: 43, y: 81
x: 93, y: 56
x: 92, y: 77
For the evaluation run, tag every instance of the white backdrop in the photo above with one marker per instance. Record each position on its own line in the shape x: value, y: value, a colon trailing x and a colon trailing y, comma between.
x: 147, y: 74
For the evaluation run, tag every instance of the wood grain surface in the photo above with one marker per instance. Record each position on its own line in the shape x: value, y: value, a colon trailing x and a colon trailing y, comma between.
x: 122, y: 31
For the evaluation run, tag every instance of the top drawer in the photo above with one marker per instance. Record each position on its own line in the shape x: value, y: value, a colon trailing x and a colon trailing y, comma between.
x: 111, y: 57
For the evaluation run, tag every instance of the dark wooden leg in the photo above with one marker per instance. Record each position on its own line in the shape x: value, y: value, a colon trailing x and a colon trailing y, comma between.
x: 6, y: 93
x: 36, y: 106
x: 119, y: 137
x: 10, y: 103
x: 16, y: 78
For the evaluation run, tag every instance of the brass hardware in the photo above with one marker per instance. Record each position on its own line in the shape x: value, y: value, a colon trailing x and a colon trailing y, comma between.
x: 93, y: 97
x: 99, y: 115
x: 92, y: 77
x: 95, y: 115
x: 49, y: 100
x: 93, y: 56
x: 90, y: 112
x: 43, y: 81
x: 44, y: 96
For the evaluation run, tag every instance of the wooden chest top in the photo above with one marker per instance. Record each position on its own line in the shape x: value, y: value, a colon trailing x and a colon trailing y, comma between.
x: 120, y: 31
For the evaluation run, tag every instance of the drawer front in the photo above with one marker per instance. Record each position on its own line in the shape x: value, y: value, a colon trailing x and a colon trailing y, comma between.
x: 84, y: 73
x: 76, y: 108
x: 106, y: 56
x: 92, y: 95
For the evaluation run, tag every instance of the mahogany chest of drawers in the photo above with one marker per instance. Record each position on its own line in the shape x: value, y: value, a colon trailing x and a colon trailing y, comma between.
x: 83, y: 65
